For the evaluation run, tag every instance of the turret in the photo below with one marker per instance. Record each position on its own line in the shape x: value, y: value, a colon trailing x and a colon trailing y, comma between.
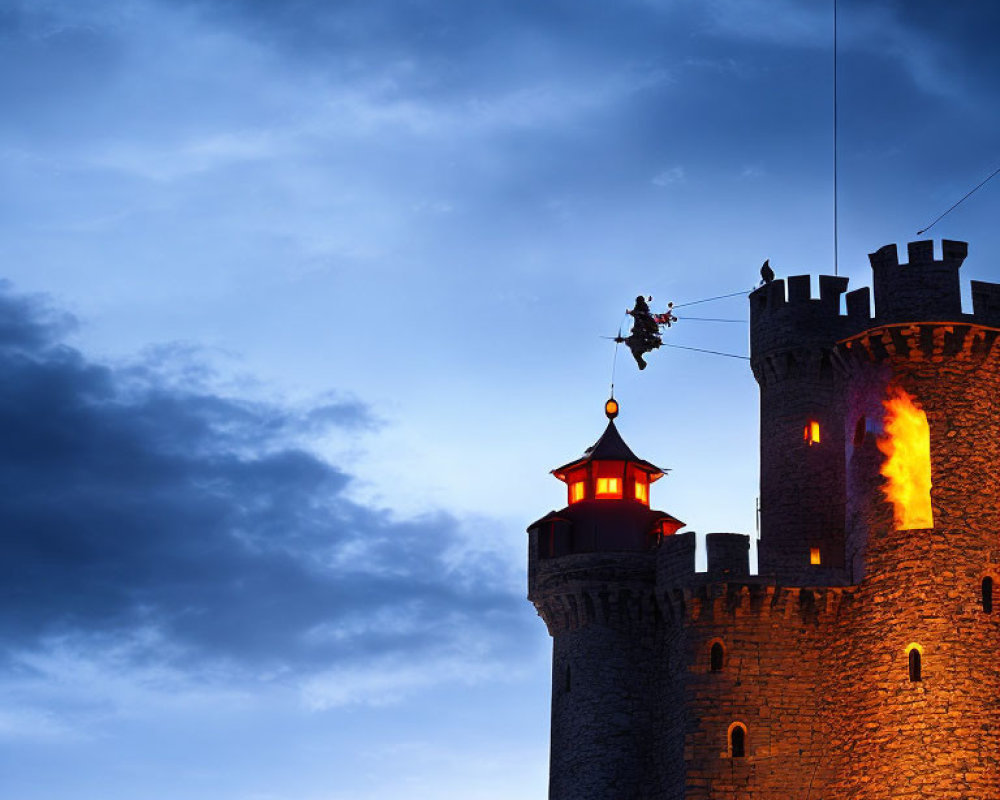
x: 607, y: 502
x: 591, y: 576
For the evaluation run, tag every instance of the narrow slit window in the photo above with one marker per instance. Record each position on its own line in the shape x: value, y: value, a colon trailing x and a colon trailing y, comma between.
x: 737, y: 741
x: 914, y: 664
x: 716, y: 657
x: 810, y: 434
x: 814, y: 556
x: 988, y: 595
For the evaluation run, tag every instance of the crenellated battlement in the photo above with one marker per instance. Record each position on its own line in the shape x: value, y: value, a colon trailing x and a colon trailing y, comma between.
x: 786, y: 319
x: 728, y: 558
x: 986, y: 302
x: 924, y: 288
x: 675, y: 559
x: 796, y: 319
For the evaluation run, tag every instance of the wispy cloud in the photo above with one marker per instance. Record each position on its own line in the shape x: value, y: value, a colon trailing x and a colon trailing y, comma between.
x: 669, y: 176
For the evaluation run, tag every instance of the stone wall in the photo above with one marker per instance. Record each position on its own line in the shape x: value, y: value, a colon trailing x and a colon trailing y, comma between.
x: 774, y: 673
x: 936, y: 737
x: 815, y: 659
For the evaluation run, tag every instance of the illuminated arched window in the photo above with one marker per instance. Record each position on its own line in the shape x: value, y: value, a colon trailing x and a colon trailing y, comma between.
x: 914, y: 657
x: 737, y: 740
x: 988, y: 595
x: 716, y: 657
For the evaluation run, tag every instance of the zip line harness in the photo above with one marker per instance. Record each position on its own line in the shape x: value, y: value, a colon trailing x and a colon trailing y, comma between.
x: 646, y: 334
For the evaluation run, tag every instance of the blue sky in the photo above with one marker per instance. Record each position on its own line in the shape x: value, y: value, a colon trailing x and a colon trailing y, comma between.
x: 302, y: 300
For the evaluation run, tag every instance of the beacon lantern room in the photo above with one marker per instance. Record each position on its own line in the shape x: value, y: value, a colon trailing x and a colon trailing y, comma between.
x: 607, y: 501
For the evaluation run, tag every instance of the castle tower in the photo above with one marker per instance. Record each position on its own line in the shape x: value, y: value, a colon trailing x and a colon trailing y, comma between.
x: 591, y: 575
x: 861, y: 662
x: 802, y: 481
x: 923, y: 460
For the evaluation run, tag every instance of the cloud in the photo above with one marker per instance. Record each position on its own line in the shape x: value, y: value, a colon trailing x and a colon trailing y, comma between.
x: 192, y: 526
x: 669, y: 176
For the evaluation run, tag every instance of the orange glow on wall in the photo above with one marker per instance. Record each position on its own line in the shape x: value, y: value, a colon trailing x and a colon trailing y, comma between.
x: 907, y: 448
x: 810, y: 433
x: 577, y: 490
x: 609, y: 487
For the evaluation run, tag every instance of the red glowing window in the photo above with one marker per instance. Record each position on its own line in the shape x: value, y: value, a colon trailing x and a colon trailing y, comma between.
x: 810, y: 434
x: 577, y: 491
x: 609, y: 487
x: 637, y: 484
x: 642, y: 493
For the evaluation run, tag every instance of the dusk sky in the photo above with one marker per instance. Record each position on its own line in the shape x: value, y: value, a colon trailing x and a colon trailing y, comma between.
x: 300, y: 301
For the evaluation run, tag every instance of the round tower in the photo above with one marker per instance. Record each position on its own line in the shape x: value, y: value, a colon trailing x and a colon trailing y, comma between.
x: 591, y: 576
x: 920, y: 678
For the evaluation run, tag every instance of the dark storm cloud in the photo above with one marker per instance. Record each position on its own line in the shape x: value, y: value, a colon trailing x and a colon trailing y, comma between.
x: 131, y: 504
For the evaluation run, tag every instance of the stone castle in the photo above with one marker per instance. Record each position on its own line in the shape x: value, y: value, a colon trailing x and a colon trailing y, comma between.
x: 863, y: 660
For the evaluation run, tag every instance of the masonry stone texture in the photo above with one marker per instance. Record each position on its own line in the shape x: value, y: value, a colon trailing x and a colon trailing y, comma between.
x: 812, y: 661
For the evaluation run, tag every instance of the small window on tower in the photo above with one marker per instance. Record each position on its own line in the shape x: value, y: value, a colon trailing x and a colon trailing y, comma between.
x: 642, y: 492
x: 576, y: 491
x: 609, y: 487
x: 988, y: 595
x: 716, y: 657
x: 737, y: 740
x: 914, y: 658
x: 810, y: 433
x: 814, y: 556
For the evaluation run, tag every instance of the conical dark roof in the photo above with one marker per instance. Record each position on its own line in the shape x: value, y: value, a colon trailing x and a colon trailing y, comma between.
x: 610, y: 447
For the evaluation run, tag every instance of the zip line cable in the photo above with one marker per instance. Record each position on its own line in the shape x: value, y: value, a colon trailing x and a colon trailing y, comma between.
x: 614, y: 359
x: 836, y: 237
x: 709, y: 299
x: 713, y: 319
x: 966, y: 197
x: 702, y: 350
